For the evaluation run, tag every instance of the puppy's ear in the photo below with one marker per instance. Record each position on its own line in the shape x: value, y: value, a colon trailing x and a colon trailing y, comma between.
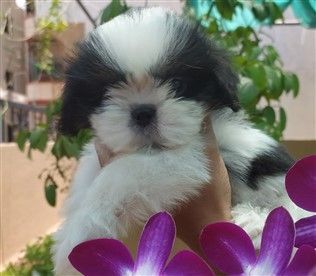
x: 227, y: 79
x: 74, y: 115
x: 91, y: 72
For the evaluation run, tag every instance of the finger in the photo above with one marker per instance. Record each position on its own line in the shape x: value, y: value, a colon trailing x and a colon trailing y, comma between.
x: 209, y: 135
x: 104, y: 154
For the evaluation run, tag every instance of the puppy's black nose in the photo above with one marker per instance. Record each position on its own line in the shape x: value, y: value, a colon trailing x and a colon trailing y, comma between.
x: 144, y: 114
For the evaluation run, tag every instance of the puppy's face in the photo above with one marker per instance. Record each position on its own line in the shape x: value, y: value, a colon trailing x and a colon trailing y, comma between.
x: 144, y: 111
x: 145, y: 79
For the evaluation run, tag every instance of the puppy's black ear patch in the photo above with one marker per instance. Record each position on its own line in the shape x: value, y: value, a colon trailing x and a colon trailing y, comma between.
x: 74, y: 115
x: 90, y: 74
x: 227, y: 79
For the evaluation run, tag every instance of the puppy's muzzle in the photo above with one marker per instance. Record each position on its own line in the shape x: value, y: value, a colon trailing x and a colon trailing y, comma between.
x: 143, y: 115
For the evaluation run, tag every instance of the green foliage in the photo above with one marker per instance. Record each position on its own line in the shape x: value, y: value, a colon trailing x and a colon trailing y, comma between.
x: 226, y: 7
x: 267, y: 10
x: 38, y: 138
x: 63, y: 147
x: 50, y: 191
x: 48, y: 25
x: 115, y: 8
x: 263, y: 80
x: 21, y: 139
x: 37, y: 260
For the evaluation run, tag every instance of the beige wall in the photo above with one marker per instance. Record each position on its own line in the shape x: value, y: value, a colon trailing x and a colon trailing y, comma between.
x: 300, y: 149
x: 25, y: 215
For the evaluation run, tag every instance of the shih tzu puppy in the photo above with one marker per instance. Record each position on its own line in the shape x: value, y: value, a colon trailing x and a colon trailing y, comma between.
x: 143, y: 83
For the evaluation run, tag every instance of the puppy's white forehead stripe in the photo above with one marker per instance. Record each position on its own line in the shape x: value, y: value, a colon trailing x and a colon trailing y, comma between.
x: 140, y: 92
x: 138, y: 41
x: 140, y: 83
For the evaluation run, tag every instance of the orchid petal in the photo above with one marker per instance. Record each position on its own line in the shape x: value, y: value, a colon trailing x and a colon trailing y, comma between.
x: 155, y: 245
x: 300, y: 183
x: 187, y: 263
x: 306, y: 231
x: 102, y: 257
x: 276, y: 244
x: 303, y: 262
x: 227, y: 247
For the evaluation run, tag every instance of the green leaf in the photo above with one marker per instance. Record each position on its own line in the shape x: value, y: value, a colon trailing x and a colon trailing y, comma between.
x: 274, y: 81
x: 259, y: 12
x: 70, y: 148
x: 239, y: 61
x: 295, y: 85
x: 254, y: 52
x: 50, y: 191
x: 213, y: 27
x: 261, y: 125
x: 67, y: 147
x: 226, y: 8
x: 248, y: 94
x: 38, y: 139
x: 247, y: 45
x: 273, y: 11
x: 83, y: 137
x: 291, y: 83
x: 287, y: 78
x: 53, y: 109
x: 269, y: 114
x: 22, y: 138
x: 275, y: 133
x: 57, y: 149
x: 271, y: 54
x: 282, y: 119
x: 242, y: 32
x: 114, y: 9
x: 257, y: 73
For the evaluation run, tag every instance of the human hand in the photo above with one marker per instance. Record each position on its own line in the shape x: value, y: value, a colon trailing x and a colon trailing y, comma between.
x: 214, y: 201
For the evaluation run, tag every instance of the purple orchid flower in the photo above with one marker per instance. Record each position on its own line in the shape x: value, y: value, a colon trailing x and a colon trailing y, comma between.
x: 229, y: 248
x: 300, y: 184
x: 111, y: 257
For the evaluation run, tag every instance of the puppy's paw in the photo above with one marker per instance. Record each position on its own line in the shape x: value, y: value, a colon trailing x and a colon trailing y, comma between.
x: 251, y: 219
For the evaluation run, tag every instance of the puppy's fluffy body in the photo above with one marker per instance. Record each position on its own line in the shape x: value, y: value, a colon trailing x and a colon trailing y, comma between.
x: 156, y: 63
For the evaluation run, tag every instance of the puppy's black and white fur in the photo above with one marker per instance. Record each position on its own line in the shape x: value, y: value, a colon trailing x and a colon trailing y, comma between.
x: 143, y: 83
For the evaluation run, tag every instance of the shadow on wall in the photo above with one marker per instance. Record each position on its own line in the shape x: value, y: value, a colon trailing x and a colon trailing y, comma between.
x: 25, y: 213
x: 299, y: 149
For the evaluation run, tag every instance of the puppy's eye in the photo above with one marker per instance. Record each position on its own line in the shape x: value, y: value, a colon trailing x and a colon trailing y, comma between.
x: 179, y: 85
